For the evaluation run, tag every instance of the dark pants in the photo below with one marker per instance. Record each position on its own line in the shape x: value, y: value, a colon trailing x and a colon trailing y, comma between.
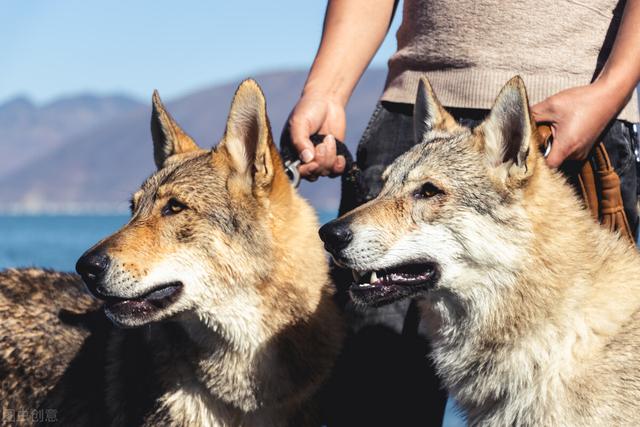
x: 384, y: 376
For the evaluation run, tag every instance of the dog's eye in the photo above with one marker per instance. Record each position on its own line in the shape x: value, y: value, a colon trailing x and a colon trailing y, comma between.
x: 173, y: 207
x: 426, y: 191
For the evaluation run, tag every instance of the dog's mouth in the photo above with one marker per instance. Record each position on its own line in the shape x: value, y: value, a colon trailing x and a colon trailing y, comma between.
x: 156, y: 299
x: 380, y: 287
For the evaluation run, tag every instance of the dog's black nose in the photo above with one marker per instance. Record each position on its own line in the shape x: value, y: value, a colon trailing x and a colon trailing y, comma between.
x: 92, y: 266
x: 336, y: 235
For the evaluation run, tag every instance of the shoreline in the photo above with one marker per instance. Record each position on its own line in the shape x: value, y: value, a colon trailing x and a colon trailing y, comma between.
x: 66, y: 209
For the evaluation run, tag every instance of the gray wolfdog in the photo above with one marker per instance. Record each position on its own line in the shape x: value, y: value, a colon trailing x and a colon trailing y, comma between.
x: 533, y: 309
x: 218, y: 286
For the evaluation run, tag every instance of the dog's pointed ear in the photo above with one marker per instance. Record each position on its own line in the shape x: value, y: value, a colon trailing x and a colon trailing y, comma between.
x: 509, y: 128
x: 168, y: 137
x: 247, y: 138
x: 428, y: 112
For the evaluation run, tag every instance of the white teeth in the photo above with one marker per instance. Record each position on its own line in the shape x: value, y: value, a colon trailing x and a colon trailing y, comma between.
x: 374, y: 277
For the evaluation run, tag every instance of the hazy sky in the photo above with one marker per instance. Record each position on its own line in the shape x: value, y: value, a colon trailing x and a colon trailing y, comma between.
x: 53, y: 48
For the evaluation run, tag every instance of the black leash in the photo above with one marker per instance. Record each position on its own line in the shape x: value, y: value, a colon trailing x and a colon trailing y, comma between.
x: 354, y: 188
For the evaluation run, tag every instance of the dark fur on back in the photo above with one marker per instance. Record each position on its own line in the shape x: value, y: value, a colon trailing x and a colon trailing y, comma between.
x: 61, y: 315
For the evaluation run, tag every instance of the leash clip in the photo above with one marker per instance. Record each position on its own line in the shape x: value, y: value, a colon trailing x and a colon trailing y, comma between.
x: 547, y: 149
x: 291, y: 169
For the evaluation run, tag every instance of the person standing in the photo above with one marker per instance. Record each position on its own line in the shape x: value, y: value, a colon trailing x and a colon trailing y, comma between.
x: 580, y: 62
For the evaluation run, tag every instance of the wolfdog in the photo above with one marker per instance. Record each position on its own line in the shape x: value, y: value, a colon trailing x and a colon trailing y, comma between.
x: 218, y: 287
x: 533, y: 309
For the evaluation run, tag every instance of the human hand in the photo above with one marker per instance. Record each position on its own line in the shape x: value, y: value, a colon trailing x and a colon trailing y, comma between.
x: 316, y: 113
x: 577, y: 117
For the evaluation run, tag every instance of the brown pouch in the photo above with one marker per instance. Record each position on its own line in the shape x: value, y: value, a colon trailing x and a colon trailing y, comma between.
x: 600, y: 187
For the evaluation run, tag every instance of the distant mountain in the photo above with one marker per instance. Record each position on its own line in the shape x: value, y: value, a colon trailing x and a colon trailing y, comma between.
x: 28, y: 132
x: 96, y: 150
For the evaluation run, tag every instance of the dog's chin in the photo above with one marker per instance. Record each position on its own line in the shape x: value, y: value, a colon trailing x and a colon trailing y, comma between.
x: 152, y: 306
x: 381, y: 287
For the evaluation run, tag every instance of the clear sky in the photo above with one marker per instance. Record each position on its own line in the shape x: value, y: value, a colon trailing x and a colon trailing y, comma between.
x: 54, y: 48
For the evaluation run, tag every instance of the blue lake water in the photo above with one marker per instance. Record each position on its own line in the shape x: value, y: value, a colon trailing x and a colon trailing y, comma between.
x: 57, y: 241
x: 52, y: 241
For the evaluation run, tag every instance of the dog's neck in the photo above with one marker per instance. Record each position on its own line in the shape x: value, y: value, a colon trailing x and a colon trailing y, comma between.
x: 525, y: 324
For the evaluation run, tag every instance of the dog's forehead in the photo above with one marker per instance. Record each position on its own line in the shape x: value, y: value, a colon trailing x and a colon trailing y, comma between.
x: 193, y: 174
x: 441, y: 153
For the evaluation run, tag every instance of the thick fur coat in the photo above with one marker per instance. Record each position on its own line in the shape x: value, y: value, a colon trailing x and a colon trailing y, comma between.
x: 533, y: 309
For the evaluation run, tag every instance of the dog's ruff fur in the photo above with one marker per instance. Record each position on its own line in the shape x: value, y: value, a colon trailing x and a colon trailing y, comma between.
x: 254, y: 331
x: 534, y: 315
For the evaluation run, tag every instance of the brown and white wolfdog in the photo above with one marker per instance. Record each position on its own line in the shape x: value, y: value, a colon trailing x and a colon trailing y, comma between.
x: 218, y: 287
x: 533, y: 309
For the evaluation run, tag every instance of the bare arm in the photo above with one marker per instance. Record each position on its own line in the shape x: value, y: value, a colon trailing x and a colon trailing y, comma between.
x: 622, y: 71
x: 353, y: 32
x: 579, y: 115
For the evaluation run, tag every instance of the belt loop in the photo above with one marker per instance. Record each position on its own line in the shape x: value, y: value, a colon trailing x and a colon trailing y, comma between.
x: 635, y: 142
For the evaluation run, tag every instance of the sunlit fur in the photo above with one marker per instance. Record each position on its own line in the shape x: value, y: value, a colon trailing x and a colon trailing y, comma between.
x: 535, y: 316
x: 254, y: 332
